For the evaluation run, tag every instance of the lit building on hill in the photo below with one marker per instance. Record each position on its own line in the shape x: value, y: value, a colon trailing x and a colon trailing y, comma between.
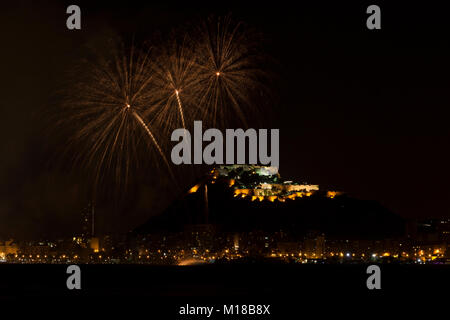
x: 7, y: 247
x: 264, y: 183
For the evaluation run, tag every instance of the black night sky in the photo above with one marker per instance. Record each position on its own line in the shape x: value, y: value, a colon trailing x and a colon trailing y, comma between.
x: 361, y: 111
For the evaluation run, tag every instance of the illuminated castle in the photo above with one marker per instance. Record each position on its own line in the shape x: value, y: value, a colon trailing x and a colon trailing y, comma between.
x: 262, y: 183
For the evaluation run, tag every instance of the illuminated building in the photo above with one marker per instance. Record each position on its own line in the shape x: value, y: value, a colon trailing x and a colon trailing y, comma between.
x: 314, y: 246
x: 8, y: 247
x: 94, y: 244
x: 236, y: 242
x: 263, y: 183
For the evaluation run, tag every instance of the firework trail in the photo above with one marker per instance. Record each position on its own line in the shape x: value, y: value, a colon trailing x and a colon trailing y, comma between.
x: 180, y: 108
x: 147, y: 129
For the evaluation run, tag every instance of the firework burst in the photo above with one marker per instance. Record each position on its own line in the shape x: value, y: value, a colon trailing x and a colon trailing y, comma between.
x: 107, y: 111
x: 229, y: 76
x: 174, y: 82
x: 125, y: 103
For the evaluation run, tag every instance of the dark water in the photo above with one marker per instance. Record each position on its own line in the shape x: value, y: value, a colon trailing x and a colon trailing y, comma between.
x: 166, y: 288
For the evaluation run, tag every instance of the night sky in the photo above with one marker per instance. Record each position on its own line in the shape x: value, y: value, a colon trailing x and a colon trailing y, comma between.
x: 362, y: 111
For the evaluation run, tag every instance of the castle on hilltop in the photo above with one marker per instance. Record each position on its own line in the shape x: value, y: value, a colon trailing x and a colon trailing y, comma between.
x: 263, y: 183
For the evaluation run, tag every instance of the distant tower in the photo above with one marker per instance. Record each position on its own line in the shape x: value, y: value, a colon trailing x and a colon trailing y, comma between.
x: 89, y: 238
x: 206, y: 208
x: 92, y: 220
x: 236, y: 242
x: 88, y: 221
